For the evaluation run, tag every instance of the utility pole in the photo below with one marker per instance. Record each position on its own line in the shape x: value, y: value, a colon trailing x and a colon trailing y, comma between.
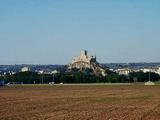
x: 149, y: 75
x: 42, y: 79
x: 53, y: 78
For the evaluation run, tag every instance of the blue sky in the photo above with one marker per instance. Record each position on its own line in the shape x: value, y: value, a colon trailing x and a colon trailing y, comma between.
x: 53, y: 31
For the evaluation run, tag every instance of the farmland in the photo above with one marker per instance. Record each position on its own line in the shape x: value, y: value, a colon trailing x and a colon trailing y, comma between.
x: 80, y: 102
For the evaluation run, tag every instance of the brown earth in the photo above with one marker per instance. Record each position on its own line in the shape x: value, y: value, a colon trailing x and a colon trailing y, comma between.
x: 80, y: 103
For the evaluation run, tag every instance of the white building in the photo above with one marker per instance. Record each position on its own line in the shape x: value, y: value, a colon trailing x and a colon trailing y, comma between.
x: 40, y: 71
x: 54, y: 72
x: 154, y: 70
x: 25, y: 69
x: 158, y: 71
x: 145, y: 70
x: 123, y: 71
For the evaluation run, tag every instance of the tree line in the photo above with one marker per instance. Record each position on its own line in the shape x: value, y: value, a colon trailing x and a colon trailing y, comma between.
x: 78, y: 77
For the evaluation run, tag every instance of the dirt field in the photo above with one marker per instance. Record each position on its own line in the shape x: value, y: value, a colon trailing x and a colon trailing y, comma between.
x: 80, y: 103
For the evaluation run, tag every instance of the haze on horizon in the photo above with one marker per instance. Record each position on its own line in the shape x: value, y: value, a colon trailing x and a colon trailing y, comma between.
x: 53, y: 31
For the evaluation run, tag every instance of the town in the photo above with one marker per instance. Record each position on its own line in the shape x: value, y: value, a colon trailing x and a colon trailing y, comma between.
x: 85, y: 67
x: 120, y: 68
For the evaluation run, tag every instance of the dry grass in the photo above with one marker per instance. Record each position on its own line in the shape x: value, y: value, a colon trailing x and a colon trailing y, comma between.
x: 80, y: 103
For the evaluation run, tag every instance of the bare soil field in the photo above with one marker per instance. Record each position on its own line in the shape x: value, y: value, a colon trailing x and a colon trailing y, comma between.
x: 80, y: 102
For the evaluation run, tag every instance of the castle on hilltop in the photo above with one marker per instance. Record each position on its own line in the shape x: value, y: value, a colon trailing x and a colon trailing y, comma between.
x: 84, y: 61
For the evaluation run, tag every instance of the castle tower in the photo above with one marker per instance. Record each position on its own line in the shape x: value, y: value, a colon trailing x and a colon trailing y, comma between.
x: 83, y: 53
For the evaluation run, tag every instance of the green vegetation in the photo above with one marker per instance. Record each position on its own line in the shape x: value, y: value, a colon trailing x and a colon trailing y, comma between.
x: 78, y: 77
x: 143, y: 77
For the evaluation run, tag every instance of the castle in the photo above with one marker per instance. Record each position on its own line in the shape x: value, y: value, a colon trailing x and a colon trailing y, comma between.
x: 84, y: 61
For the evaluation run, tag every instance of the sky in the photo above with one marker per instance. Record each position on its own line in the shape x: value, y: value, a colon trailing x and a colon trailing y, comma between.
x: 53, y: 31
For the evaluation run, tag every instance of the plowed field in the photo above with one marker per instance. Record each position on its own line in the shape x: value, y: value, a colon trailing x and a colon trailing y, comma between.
x: 80, y: 102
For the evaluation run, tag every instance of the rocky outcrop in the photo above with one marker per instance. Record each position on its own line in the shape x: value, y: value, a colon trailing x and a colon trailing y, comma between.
x: 84, y: 61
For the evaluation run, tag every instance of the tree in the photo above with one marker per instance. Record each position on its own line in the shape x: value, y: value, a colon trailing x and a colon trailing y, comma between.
x: 143, y: 77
